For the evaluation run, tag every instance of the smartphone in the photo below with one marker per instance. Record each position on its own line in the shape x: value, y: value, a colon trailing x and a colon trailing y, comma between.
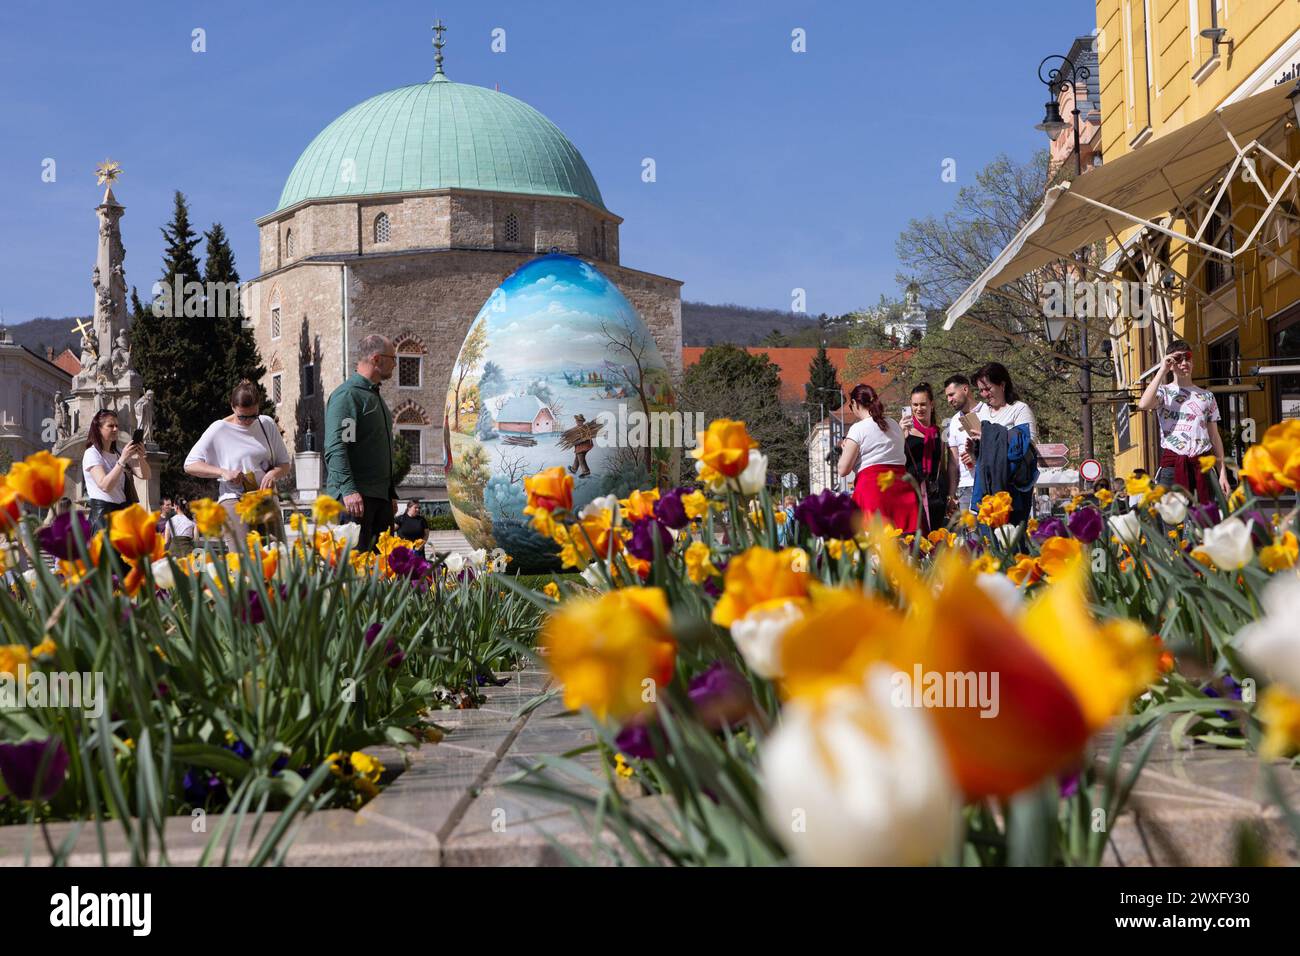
x: 137, y: 436
x: 971, y: 422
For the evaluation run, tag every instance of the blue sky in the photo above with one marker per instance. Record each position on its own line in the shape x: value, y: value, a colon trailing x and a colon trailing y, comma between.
x: 775, y: 169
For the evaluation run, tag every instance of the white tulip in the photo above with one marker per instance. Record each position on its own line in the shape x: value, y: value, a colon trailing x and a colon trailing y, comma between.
x: 595, y: 506
x: 455, y: 562
x: 30, y: 577
x: 478, y: 558
x: 758, y: 634
x: 1006, y: 594
x: 754, y: 477
x: 1272, y: 643
x: 1126, y: 527
x: 1172, y: 508
x: 349, y: 534
x: 1228, y: 544
x: 1005, y: 534
x: 857, y: 781
x: 162, y: 574
x: 591, y: 575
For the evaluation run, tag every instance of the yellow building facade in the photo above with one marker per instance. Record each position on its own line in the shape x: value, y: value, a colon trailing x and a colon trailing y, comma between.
x: 1241, y: 314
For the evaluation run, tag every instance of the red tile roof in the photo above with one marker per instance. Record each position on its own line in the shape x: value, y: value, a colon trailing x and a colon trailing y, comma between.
x: 794, y: 364
x: 67, y: 361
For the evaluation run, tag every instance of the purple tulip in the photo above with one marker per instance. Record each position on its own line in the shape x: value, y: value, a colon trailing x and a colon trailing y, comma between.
x: 20, y: 767
x: 254, y: 613
x: 405, y: 563
x: 1087, y: 524
x: 1206, y: 515
x: 670, y: 510
x: 1049, y: 528
x: 642, y: 544
x: 829, y: 514
x: 395, y: 654
x: 59, y: 539
x: 373, y: 631
x: 635, y: 741
x: 720, y: 695
x: 1261, y: 529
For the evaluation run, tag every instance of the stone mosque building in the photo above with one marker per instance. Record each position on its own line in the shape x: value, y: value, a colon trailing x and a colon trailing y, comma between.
x: 401, y: 217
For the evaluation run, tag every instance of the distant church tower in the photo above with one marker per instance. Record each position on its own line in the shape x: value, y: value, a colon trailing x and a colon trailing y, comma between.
x: 912, y: 323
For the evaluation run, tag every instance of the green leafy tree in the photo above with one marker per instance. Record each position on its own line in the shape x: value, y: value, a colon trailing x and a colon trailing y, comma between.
x: 729, y: 382
x: 945, y: 254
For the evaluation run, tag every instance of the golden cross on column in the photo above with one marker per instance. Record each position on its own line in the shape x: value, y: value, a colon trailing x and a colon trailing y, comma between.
x: 81, y: 327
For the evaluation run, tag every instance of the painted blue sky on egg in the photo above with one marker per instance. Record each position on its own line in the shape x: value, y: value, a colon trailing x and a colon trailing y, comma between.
x: 549, y: 312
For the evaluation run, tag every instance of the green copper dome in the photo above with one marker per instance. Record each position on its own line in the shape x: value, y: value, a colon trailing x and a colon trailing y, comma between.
x: 440, y: 135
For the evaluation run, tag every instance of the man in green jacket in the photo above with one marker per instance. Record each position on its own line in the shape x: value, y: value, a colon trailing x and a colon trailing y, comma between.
x: 359, y: 442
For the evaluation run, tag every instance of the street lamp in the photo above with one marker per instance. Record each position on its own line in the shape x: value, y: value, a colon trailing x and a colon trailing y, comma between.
x: 1063, y: 74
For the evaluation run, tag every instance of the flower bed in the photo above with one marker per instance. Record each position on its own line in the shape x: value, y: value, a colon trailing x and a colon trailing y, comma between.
x: 865, y: 697
x: 241, y: 683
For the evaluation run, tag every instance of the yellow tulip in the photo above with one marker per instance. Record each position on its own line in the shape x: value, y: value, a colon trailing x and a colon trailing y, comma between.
x: 995, y: 510
x: 613, y: 653
x: 759, y: 578
x: 723, y: 450
x: 1057, y: 554
x: 1281, y: 554
x: 1273, y: 466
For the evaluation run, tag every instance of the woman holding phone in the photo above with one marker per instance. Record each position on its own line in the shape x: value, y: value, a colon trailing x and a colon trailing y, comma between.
x: 244, y: 452
x: 873, y: 449
x: 1188, y: 417
x: 108, y: 474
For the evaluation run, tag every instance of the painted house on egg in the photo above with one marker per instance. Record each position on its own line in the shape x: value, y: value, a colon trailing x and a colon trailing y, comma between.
x: 525, y: 414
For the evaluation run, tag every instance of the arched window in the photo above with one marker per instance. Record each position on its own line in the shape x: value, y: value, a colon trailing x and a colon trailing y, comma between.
x: 288, y: 243
x: 511, y: 230
x: 275, y: 316
x: 381, y: 227
x: 595, y: 241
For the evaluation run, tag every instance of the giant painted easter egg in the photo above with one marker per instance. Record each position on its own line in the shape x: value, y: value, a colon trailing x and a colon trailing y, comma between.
x: 557, y: 369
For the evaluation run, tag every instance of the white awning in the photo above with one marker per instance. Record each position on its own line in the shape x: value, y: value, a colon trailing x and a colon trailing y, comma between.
x: 1162, y: 175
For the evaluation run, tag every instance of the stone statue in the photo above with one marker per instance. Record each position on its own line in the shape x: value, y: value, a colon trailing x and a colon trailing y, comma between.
x: 62, y: 427
x: 144, y: 415
x: 101, y: 399
x: 121, y: 355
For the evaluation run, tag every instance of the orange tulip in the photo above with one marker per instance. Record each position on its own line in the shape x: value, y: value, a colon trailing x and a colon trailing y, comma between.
x: 723, y: 450
x: 550, y: 490
x: 38, y: 479
x: 133, y: 532
x: 10, y: 509
x: 1273, y: 466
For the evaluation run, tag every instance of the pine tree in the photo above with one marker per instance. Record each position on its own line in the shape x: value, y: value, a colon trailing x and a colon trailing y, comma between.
x: 238, y: 355
x: 823, y: 382
x: 174, y: 352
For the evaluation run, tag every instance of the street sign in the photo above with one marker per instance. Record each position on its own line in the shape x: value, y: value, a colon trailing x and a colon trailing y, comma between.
x: 1053, y: 454
x: 1090, y: 470
x: 789, y: 479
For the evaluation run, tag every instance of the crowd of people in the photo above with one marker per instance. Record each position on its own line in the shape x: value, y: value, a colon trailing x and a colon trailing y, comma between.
x: 913, y: 472
x: 918, y: 475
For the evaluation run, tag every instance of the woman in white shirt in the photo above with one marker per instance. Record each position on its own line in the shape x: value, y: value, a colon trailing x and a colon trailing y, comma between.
x: 243, y: 451
x: 178, y: 529
x: 105, y: 471
x: 874, y: 450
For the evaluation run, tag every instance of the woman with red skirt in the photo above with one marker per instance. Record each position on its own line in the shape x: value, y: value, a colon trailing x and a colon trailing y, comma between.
x: 874, y: 449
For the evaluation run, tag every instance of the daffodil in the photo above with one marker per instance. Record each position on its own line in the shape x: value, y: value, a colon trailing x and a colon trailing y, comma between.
x: 699, y: 562
x: 256, y: 507
x: 325, y: 510
x: 1281, y: 554
x: 209, y: 516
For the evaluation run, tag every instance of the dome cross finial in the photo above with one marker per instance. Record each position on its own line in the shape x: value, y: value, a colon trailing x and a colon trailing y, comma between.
x: 438, y: 44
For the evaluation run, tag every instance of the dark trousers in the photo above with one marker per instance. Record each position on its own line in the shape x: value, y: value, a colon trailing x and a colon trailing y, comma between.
x: 99, y: 512
x: 376, y: 518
